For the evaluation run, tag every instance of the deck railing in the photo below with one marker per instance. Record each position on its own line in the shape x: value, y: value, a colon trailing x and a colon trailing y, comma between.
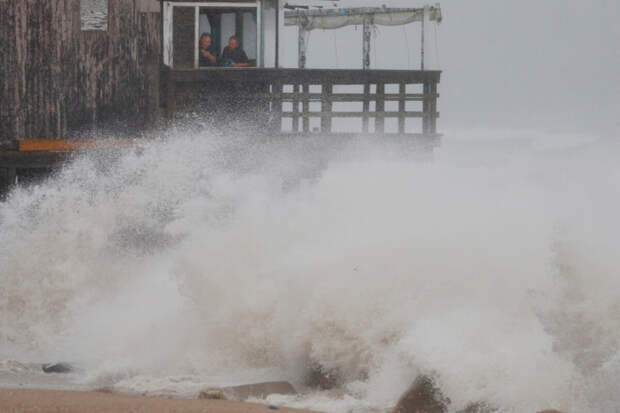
x: 313, y: 98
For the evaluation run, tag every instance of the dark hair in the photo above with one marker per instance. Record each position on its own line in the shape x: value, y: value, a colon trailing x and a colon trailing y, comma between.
x: 202, y: 36
x: 235, y: 37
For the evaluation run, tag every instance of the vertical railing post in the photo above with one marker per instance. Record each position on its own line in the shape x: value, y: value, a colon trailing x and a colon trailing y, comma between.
x: 380, y: 108
x: 366, y: 107
x: 295, y: 101
x: 306, y: 107
x: 401, y: 106
x: 433, y: 108
x: 326, y: 105
x: 426, y: 107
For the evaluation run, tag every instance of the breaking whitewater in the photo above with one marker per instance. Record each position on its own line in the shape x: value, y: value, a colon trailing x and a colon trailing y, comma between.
x: 201, y: 260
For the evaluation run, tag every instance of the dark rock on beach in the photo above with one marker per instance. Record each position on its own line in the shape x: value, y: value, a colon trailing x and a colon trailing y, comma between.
x: 423, y: 397
x: 320, y: 378
x: 57, y: 368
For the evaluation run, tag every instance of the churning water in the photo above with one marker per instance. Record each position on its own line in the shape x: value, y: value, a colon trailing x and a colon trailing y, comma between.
x: 205, y: 260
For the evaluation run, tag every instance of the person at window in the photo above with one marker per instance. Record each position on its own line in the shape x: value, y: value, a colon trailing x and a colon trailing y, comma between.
x: 208, y: 53
x: 233, y: 55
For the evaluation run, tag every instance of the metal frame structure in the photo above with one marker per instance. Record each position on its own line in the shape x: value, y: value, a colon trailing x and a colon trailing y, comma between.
x: 305, y: 20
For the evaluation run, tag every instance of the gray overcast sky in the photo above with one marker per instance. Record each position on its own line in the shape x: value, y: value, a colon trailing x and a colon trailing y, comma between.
x: 552, y: 64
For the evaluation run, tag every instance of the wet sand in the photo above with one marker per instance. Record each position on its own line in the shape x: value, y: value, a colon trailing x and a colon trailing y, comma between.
x: 60, y: 401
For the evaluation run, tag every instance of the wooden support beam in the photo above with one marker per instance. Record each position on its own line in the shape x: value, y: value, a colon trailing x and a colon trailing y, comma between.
x: 312, y: 76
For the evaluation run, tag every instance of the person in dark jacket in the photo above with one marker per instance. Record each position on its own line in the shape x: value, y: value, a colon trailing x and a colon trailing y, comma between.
x: 207, y: 53
x: 233, y: 55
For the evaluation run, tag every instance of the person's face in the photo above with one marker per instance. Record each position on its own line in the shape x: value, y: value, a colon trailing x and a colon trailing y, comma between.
x: 205, y: 42
x: 233, y: 43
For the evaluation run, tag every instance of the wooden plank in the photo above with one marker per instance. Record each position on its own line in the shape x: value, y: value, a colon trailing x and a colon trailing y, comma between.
x: 356, y: 97
x: 336, y: 97
x: 32, y: 145
x: 312, y: 76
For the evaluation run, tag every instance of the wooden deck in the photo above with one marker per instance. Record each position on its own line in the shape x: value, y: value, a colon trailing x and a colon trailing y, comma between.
x: 308, y: 100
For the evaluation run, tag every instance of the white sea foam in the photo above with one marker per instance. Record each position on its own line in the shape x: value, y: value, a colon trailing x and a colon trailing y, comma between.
x: 211, y: 260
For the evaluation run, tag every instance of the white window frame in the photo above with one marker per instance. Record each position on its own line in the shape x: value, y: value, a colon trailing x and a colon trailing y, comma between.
x: 168, y: 44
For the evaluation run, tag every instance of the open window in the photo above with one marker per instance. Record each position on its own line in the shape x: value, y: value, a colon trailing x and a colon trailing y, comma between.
x: 187, y: 23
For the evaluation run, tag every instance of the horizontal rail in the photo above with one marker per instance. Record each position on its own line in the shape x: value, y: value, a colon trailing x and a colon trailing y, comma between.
x: 395, y: 114
x: 354, y: 97
x: 298, y: 76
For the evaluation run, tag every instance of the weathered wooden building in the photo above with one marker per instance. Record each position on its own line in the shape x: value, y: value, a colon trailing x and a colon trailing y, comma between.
x: 57, y: 73
x: 65, y: 64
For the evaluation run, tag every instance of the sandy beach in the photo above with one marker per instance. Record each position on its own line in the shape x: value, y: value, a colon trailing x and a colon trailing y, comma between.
x: 30, y: 400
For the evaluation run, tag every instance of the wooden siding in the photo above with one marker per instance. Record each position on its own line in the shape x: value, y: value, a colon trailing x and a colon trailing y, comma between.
x: 148, y: 6
x: 184, y: 42
x: 55, y: 77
